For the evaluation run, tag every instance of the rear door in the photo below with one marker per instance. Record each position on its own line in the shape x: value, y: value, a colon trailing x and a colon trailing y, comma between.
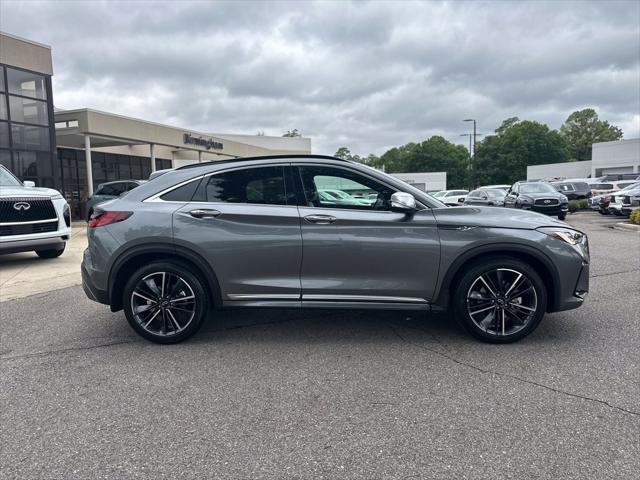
x: 244, y: 222
x: 363, y: 252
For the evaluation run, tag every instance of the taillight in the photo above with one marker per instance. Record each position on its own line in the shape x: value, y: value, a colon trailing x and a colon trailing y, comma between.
x: 100, y: 219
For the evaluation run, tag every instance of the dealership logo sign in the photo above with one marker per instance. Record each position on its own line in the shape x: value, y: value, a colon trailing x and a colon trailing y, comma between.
x: 21, y: 206
x: 207, y: 143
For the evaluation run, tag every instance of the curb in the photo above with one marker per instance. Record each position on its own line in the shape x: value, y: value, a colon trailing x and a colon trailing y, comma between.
x: 630, y: 227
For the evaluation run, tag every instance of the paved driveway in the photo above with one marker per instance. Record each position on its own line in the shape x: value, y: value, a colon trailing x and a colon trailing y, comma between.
x: 281, y: 394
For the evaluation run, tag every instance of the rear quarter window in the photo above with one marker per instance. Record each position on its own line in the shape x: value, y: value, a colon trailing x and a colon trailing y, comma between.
x: 183, y: 193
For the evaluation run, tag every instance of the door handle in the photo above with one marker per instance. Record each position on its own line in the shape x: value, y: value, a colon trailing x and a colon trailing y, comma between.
x: 320, y: 219
x: 204, y: 213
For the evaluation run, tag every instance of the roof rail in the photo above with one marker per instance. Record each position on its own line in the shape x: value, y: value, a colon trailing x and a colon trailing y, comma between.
x: 265, y: 157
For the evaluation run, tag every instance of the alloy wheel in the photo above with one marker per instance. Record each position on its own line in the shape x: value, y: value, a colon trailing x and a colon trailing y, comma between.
x: 163, y: 303
x: 502, y: 302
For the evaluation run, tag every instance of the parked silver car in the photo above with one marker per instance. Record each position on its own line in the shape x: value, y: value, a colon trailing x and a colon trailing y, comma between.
x: 109, y: 191
x: 255, y: 232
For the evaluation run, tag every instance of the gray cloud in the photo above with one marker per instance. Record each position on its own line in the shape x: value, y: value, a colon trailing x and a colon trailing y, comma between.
x: 369, y: 75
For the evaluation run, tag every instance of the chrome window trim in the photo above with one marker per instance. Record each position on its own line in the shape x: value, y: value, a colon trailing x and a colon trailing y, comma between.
x: 156, y: 197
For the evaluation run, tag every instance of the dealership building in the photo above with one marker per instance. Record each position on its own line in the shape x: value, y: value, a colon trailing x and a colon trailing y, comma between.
x: 607, y: 158
x: 75, y: 150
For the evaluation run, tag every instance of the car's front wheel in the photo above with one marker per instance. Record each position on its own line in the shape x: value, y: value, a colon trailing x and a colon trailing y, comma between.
x: 500, y: 300
x: 562, y: 216
x: 165, y: 302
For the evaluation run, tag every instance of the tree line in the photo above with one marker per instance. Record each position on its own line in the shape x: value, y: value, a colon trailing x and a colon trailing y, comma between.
x: 499, y: 158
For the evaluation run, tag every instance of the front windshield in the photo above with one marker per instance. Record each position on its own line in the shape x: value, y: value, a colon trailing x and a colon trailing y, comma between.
x: 439, y: 194
x: 536, y: 188
x: 7, y: 179
x: 633, y: 186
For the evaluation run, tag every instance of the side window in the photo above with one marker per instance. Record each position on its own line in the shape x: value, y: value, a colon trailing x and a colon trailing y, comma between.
x: 262, y: 185
x: 330, y: 187
x: 183, y: 193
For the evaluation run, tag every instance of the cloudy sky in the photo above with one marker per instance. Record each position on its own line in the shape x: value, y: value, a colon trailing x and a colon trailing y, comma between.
x: 368, y: 75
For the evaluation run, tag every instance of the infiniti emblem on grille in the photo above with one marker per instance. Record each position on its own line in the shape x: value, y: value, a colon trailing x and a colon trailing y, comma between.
x: 21, y: 206
x: 547, y: 201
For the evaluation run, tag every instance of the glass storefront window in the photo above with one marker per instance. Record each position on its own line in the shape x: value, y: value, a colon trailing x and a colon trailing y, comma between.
x: 4, y: 134
x: 25, y: 165
x: 2, y: 89
x: 3, y: 107
x: 5, y: 159
x: 28, y: 110
x: 27, y: 84
x: 30, y: 138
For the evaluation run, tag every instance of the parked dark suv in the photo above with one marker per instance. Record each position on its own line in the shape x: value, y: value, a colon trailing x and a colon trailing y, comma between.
x: 256, y: 232
x: 573, y: 190
x: 539, y: 197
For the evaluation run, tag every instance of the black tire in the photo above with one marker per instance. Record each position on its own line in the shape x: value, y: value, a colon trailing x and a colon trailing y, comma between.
x: 489, y: 266
x: 562, y: 216
x: 89, y: 214
x: 50, y: 253
x: 162, y: 329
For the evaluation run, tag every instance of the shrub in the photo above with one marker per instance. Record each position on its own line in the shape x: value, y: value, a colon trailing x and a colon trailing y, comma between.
x: 574, y: 206
x: 635, y: 216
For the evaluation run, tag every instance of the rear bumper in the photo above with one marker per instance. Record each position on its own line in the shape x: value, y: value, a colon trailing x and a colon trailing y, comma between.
x: 90, y: 289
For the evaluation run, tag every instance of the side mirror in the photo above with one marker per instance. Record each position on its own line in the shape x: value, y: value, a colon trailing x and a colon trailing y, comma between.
x: 29, y: 183
x: 403, y: 202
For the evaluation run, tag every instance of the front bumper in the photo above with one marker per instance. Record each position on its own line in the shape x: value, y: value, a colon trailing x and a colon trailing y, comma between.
x: 552, y: 210
x: 32, y: 244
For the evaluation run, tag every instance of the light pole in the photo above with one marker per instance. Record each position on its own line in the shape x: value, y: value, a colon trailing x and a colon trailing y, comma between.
x: 474, y: 135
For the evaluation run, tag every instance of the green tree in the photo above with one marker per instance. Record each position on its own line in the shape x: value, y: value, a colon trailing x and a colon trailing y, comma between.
x: 504, y: 157
x: 292, y: 133
x: 435, y: 154
x: 582, y: 129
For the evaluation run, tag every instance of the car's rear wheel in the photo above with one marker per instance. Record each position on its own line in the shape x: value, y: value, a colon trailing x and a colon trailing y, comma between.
x: 500, y: 300
x: 165, y: 302
x: 50, y: 253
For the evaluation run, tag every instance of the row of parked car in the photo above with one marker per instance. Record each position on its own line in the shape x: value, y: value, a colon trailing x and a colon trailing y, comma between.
x: 617, y: 197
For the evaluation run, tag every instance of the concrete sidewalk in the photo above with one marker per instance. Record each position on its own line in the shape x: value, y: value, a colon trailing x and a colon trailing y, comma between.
x: 24, y: 274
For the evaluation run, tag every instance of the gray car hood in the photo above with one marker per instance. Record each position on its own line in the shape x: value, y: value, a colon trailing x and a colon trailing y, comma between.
x: 494, y: 217
x: 27, y: 192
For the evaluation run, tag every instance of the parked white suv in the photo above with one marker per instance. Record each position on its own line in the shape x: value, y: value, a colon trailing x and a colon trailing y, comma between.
x: 32, y: 219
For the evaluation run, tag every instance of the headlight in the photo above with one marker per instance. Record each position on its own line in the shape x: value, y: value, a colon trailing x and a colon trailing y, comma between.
x: 525, y: 199
x: 563, y: 199
x: 572, y: 237
x: 577, y: 240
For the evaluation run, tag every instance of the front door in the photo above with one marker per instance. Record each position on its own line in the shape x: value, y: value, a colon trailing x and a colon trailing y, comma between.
x: 355, y: 248
x: 248, y: 230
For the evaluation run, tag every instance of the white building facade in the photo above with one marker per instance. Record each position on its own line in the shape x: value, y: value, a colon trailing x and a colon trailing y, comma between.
x: 617, y: 157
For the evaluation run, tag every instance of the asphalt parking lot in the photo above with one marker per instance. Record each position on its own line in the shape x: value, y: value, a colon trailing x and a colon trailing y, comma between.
x: 285, y: 394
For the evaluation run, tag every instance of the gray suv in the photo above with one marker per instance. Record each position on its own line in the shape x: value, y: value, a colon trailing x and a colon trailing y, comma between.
x: 256, y: 232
